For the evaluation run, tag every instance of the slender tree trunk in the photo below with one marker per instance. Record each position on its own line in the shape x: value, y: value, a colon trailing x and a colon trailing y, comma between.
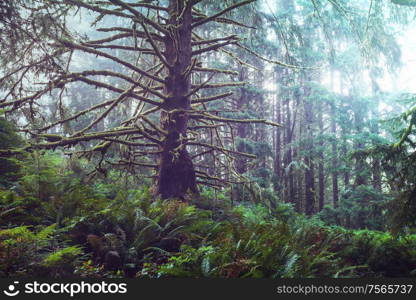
x: 278, y: 145
x: 334, y: 150
x: 288, y: 154
x: 240, y: 163
x: 376, y: 172
x: 300, y: 199
x: 176, y: 171
x: 310, y: 166
x: 295, y: 191
x: 321, y: 174
x: 335, y: 188
x: 344, y: 153
x: 344, y: 147
x: 360, y: 164
x: 376, y: 167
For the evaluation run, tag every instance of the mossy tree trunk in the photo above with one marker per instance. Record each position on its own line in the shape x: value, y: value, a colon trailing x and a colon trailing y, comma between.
x: 176, y: 174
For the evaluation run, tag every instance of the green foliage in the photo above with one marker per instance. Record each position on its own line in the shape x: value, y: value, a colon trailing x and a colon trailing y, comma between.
x: 108, y: 231
x: 363, y: 207
x: 403, y: 209
x: 51, y: 190
x: 266, y: 249
x: 398, y: 161
x: 26, y: 252
x: 384, y: 254
x: 87, y: 269
x: 9, y: 166
x: 140, y: 229
x: 21, y: 248
x: 255, y: 245
x: 154, y: 239
x: 63, y: 261
x: 191, y: 262
x: 62, y: 257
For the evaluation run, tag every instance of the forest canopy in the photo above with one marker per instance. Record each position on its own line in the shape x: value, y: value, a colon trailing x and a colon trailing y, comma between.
x: 171, y: 138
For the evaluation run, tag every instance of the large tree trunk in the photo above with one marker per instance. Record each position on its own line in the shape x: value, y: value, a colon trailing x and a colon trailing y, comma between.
x: 176, y: 171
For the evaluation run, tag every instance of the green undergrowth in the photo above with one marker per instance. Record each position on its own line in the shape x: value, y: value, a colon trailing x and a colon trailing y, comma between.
x: 133, y: 235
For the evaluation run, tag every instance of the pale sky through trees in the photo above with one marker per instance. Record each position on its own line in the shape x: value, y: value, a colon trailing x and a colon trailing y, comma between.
x: 403, y: 81
x: 394, y: 83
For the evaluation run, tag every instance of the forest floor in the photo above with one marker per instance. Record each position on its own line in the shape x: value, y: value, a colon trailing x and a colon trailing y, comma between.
x: 132, y: 235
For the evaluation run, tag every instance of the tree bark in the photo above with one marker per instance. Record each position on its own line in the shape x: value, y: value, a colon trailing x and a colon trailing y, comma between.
x: 308, y: 159
x: 278, y: 143
x: 240, y: 164
x: 360, y: 164
x: 321, y: 174
x: 374, y: 128
x: 288, y: 155
x: 335, y: 188
x: 176, y: 174
x: 344, y: 152
x: 310, y: 166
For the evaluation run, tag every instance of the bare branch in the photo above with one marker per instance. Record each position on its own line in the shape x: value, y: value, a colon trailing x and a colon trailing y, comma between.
x: 212, y: 98
x: 213, y: 47
x: 213, y: 17
x: 221, y: 149
x: 140, y: 17
x: 72, y: 45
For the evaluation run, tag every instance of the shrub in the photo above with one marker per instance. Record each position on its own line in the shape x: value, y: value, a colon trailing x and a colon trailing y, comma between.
x: 21, y: 249
x: 62, y: 262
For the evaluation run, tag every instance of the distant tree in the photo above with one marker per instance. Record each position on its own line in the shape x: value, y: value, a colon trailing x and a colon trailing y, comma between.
x: 9, y: 139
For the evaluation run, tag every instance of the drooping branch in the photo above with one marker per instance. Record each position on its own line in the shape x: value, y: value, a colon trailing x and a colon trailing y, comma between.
x: 212, y: 47
x: 73, y: 45
x: 128, y: 32
x: 155, y: 47
x: 199, y: 41
x: 167, y: 91
x: 63, y: 141
x: 140, y: 17
x: 216, y: 71
x: 212, y: 98
x: 130, y: 143
x: 137, y: 16
x: 127, y: 48
x: 275, y: 62
x: 106, y: 112
x: 221, y: 149
x: 135, y: 163
x: 208, y: 116
x: 115, y: 89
